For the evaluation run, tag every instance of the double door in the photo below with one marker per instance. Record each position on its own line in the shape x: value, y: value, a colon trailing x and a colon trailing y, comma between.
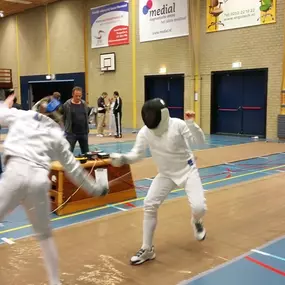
x: 170, y: 88
x: 239, y: 102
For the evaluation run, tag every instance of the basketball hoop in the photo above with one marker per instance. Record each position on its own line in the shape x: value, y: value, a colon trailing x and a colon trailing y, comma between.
x: 107, y: 62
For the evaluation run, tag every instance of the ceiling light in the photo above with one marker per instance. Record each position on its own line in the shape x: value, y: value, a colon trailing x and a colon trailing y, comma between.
x: 19, y: 1
x: 1, y: 14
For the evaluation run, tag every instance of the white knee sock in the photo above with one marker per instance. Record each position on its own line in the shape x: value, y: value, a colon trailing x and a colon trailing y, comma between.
x: 51, y: 260
x: 149, y: 225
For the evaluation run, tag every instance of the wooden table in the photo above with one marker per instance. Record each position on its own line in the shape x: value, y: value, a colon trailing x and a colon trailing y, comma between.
x: 122, y: 189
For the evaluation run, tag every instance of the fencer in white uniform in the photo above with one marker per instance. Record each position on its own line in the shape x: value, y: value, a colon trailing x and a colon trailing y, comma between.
x: 169, y: 140
x: 33, y: 141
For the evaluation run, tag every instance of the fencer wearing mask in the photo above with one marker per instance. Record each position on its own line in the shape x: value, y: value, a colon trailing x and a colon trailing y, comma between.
x: 170, y: 141
x: 33, y: 141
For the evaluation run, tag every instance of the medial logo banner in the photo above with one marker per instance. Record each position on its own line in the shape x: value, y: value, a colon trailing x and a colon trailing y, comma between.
x: 234, y: 14
x: 163, y: 19
x: 110, y: 25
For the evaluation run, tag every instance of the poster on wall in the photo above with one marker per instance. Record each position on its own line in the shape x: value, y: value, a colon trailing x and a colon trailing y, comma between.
x: 110, y: 25
x: 163, y: 19
x: 233, y: 14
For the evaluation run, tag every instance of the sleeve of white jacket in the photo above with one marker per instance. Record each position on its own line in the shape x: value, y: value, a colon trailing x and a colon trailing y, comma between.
x: 193, y: 133
x: 75, y: 172
x: 8, y: 115
x: 138, y: 151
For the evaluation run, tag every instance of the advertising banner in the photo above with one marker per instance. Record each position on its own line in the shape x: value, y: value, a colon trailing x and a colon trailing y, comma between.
x: 233, y: 14
x: 110, y: 25
x: 163, y: 19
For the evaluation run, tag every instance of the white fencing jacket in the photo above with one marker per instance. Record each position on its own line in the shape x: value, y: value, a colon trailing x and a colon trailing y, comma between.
x: 39, y: 140
x: 171, y: 151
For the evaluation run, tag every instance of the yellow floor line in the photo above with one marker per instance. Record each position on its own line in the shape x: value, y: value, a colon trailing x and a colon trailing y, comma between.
x: 141, y: 198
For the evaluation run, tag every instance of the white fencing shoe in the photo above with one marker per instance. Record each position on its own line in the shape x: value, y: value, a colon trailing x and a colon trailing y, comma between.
x: 199, y: 230
x: 142, y: 256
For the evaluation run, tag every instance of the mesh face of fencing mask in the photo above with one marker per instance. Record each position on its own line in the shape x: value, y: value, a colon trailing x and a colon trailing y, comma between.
x: 155, y: 116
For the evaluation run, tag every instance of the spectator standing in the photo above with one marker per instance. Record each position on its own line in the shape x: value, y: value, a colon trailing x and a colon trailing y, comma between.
x: 101, y: 115
x: 112, y: 124
x: 118, y: 114
x: 75, y: 116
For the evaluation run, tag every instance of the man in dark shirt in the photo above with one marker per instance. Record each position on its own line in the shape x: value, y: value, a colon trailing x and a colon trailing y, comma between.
x: 75, y: 116
x: 101, y: 115
x: 118, y: 114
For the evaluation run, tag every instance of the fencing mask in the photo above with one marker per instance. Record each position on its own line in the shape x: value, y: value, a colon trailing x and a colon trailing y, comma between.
x: 155, y: 116
x: 52, y: 109
x: 53, y: 105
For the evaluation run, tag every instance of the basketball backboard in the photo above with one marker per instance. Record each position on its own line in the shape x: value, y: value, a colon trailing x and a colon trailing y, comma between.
x: 108, y: 62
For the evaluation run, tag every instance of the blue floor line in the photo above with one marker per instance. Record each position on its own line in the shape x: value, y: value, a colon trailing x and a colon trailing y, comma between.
x: 227, y: 273
x: 18, y: 218
x: 208, y: 277
x: 123, y: 147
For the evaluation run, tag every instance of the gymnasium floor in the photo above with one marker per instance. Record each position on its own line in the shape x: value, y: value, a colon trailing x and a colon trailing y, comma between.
x: 228, y: 181
x: 16, y: 225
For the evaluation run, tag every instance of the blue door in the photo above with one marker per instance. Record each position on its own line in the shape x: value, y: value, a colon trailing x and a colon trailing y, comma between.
x: 24, y: 83
x: 254, y: 103
x: 79, y: 80
x: 239, y: 102
x: 175, y: 99
x: 170, y: 88
x: 229, y: 101
x: 156, y: 87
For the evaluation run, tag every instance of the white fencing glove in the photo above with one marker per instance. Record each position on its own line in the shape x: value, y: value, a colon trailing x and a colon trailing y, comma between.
x: 117, y: 159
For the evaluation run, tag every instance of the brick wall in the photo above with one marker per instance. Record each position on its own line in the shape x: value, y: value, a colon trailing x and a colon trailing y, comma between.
x: 256, y: 47
x: 174, y: 54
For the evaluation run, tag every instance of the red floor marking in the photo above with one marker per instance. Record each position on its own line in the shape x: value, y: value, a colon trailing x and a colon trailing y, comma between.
x: 266, y: 266
x: 130, y: 205
x: 229, y: 173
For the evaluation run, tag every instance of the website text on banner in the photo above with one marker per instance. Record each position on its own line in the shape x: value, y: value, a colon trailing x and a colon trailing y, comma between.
x: 110, y: 25
x: 163, y: 19
x: 233, y: 14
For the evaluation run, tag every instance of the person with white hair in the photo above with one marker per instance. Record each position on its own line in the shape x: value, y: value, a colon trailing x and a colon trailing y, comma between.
x: 170, y: 141
x: 112, y: 123
x: 33, y: 141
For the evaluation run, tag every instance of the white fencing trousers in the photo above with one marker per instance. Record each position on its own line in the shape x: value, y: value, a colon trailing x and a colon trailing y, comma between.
x: 160, y: 188
x: 29, y: 185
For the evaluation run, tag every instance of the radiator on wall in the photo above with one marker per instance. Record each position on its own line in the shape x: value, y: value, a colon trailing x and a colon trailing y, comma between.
x: 6, y: 78
x: 281, y: 127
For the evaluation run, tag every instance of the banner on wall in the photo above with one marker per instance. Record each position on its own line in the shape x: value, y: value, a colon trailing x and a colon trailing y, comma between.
x: 163, y: 19
x: 110, y: 25
x: 233, y: 14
